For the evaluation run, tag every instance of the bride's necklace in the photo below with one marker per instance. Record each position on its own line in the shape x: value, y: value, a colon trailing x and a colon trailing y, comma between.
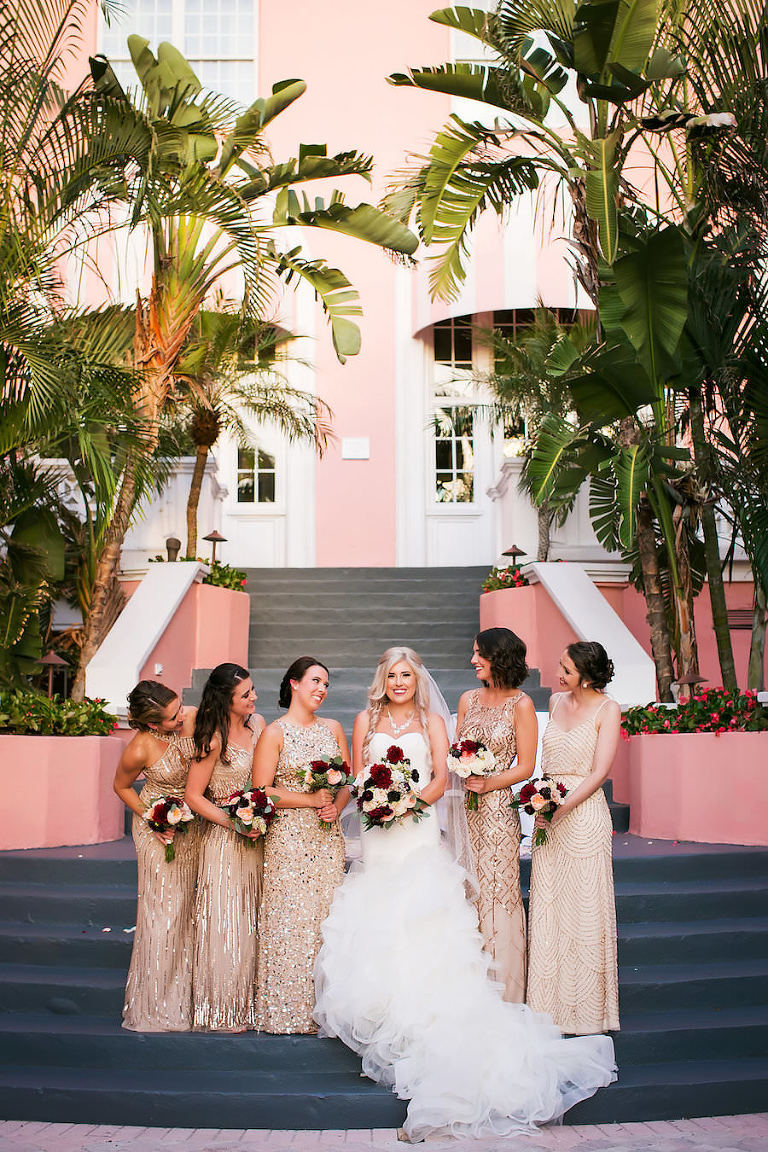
x: 398, y: 728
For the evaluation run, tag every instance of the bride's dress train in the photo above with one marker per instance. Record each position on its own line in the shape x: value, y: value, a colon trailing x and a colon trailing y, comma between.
x: 402, y: 979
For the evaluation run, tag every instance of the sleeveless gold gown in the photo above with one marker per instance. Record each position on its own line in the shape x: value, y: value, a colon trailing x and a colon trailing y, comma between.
x: 228, y: 887
x: 494, y: 833
x: 303, y: 863
x: 158, y: 994
x: 572, y: 965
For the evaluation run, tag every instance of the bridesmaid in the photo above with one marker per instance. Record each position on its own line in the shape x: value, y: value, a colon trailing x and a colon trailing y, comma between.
x: 158, y: 995
x: 303, y: 861
x: 504, y: 719
x: 572, y: 971
x: 229, y: 876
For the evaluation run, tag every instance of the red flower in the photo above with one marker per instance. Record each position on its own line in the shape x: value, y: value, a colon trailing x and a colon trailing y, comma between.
x: 381, y: 776
x: 394, y: 755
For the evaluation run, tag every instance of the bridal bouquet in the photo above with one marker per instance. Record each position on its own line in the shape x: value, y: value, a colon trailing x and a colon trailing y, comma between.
x: 470, y: 758
x: 386, y: 791
x: 169, y: 813
x: 250, y: 810
x: 326, y: 772
x: 540, y: 798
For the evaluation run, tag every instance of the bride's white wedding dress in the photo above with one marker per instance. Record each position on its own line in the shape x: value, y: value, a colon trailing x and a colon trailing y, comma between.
x: 402, y: 979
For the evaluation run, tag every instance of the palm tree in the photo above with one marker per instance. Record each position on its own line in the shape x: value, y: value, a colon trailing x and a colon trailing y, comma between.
x: 227, y: 373
x: 205, y: 192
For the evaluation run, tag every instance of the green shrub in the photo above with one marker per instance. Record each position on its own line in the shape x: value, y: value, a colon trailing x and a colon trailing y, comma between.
x: 510, y: 577
x: 224, y: 576
x: 714, y: 710
x: 33, y: 714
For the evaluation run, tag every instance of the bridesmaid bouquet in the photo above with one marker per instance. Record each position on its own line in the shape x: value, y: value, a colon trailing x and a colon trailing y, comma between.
x: 250, y: 810
x: 540, y: 798
x: 169, y: 813
x: 470, y: 758
x: 387, y: 792
x: 326, y: 772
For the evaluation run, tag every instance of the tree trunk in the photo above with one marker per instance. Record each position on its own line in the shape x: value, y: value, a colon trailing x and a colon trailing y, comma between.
x: 654, y: 599
x: 689, y: 657
x: 756, y: 670
x: 544, y: 521
x: 586, y: 243
x: 193, y: 499
x: 94, y: 624
x: 703, y: 457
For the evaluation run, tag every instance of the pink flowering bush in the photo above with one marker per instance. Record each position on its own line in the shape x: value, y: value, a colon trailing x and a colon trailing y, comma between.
x: 714, y: 710
x: 511, y: 577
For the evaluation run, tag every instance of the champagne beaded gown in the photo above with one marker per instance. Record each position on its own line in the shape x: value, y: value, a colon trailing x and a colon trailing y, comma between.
x: 572, y: 967
x: 494, y: 834
x: 228, y: 887
x: 303, y: 863
x: 158, y: 994
x: 402, y: 978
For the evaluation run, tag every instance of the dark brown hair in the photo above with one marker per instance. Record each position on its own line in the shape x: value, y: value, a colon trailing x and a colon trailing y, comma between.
x: 213, y: 712
x: 147, y: 702
x: 295, y: 672
x: 592, y: 663
x: 505, y: 652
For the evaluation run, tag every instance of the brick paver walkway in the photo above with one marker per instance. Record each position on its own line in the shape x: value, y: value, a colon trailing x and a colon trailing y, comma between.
x: 716, y: 1134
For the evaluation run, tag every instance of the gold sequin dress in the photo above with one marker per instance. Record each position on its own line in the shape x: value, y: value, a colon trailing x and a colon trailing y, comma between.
x: 494, y: 833
x: 572, y: 967
x: 303, y: 863
x: 158, y: 994
x: 228, y: 887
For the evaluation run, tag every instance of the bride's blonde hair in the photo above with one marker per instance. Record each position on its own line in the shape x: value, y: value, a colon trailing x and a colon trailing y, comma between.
x: 378, y: 699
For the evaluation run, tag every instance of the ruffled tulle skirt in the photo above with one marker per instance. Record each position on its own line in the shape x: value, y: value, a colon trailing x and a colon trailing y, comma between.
x: 402, y: 979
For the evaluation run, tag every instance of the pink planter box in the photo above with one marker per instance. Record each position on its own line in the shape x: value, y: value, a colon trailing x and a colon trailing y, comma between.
x: 57, y: 790
x: 699, y: 786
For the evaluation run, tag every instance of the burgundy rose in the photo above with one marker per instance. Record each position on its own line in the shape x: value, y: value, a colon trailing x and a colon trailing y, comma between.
x: 395, y: 755
x: 381, y: 776
x: 470, y: 746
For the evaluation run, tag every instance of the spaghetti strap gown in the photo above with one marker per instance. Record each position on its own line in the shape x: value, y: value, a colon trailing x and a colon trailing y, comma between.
x: 572, y: 967
x: 228, y: 887
x: 303, y: 863
x: 158, y: 994
x: 402, y: 978
x: 494, y: 833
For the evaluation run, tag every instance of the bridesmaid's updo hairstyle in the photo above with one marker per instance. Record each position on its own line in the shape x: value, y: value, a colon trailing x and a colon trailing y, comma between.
x: 213, y: 711
x: 297, y: 671
x: 592, y: 663
x: 147, y: 702
x: 505, y: 652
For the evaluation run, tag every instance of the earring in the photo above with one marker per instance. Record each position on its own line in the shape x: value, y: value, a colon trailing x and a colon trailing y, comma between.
x: 585, y: 684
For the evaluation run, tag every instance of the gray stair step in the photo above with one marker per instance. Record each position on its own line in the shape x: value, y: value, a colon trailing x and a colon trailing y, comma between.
x: 692, y: 1034
x: 661, y: 987
x: 694, y: 940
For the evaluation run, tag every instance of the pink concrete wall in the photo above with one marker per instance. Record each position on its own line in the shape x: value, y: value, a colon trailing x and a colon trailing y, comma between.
x: 57, y: 790
x: 677, y: 787
x: 209, y: 628
x: 344, y: 52
x: 530, y: 612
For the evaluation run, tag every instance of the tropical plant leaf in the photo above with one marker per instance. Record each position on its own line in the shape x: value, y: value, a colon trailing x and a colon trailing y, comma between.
x: 631, y: 468
x: 364, y: 222
x: 602, y: 190
x: 339, y: 299
x: 653, y: 284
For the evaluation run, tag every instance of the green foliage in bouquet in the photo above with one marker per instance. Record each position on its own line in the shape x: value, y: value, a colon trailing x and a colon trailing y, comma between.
x: 33, y: 714
x: 714, y: 710
x: 510, y: 577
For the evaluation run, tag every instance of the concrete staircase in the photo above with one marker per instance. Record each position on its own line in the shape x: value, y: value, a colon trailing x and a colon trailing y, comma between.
x: 347, y: 617
x: 693, y: 954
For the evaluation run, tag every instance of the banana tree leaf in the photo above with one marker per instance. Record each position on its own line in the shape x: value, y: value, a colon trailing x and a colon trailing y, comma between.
x: 653, y: 284
x: 364, y: 222
x: 467, y: 81
x: 312, y: 164
x: 552, y: 452
x: 614, y: 388
x: 339, y: 299
x: 593, y: 30
x: 522, y: 19
x: 664, y: 66
x: 633, y: 82
x: 472, y: 21
x: 248, y: 126
x: 602, y: 189
x: 634, y: 33
x: 631, y: 467
x: 603, y: 508
x: 39, y: 529
x: 540, y: 64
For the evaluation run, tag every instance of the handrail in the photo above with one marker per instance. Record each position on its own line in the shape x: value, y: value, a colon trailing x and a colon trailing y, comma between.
x: 117, y: 665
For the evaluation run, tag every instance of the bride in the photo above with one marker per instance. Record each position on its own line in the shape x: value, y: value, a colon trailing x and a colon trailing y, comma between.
x: 402, y: 977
